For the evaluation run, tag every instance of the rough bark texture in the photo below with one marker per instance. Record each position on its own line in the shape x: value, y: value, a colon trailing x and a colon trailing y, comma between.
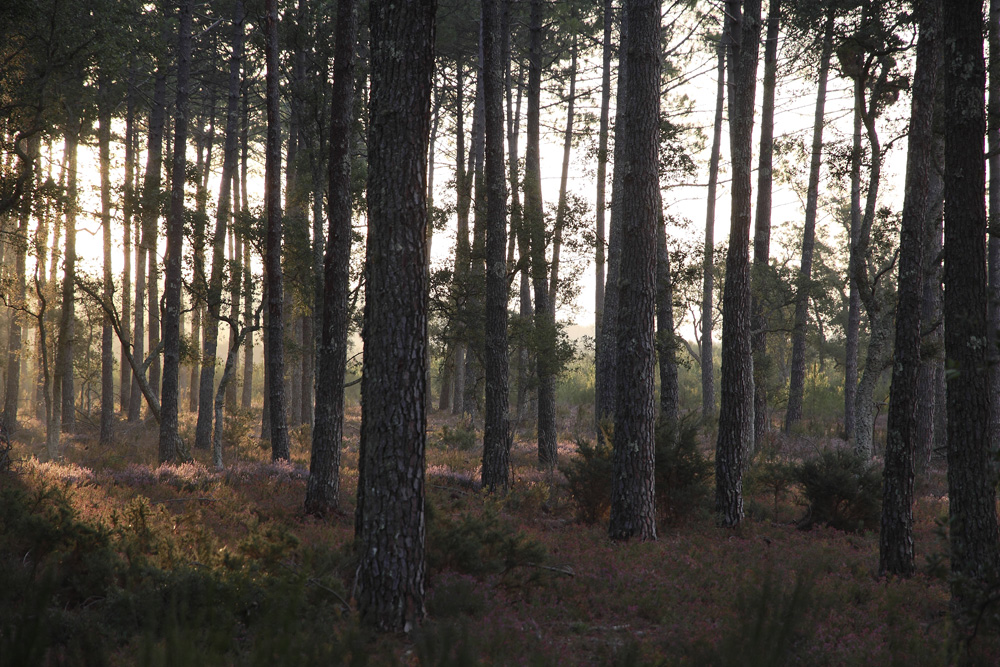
x: 272, y: 261
x: 797, y: 378
x: 391, y: 573
x: 213, y: 301
x: 534, y: 219
x: 323, y: 489
x: 600, y: 206
x: 170, y: 445
x: 853, y: 332
x: 150, y: 214
x: 736, y: 408
x: 632, y: 499
x: 463, y: 252
x: 497, y: 436
x: 708, y: 262
x: 762, y: 230
x: 896, y: 537
x: 64, y: 408
x: 975, y: 543
x: 666, y: 341
x: 993, y: 248
x: 128, y: 206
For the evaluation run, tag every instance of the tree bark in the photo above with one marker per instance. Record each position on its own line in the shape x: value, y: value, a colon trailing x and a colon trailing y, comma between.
x: 150, y: 214
x: 601, y: 206
x: 896, y: 537
x: 797, y: 380
x: 63, y: 395
x: 708, y: 263
x: 213, y: 300
x: 561, y: 206
x: 853, y: 332
x: 107, y: 351
x: 762, y: 232
x: 171, y: 449
x: 534, y: 220
x: 128, y: 208
x: 975, y: 543
x: 736, y: 419
x: 246, y: 400
x: 323, y: 489
x: 666, y: 340
x: 497, y: 436
x: 392, y: 571
x: 275, y: 343
x: 993, y: 248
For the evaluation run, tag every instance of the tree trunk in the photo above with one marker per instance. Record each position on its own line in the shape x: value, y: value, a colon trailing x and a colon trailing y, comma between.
x: 171, y: 449
x: 128, y: 207
x: 275, y: 360
x: 896, y: 536
x: 107, y: 350
x: 853, y: 332
x: 392, y: 571
x: 150, y: 215
x: 632, y: 507
x: 993, y: 249
x: 600, y: 206
x: 463, y: 252
x: 496, y: 475
x: 736, y: 419
x: 474, y: 285
x: 246, y: 399
x: 323, y: 489
x: 213, y: 300
x: 64, y: 354
x: 666, y: 341
x: 796, y: 383
x: 708, y: 263
x: 975, y: 543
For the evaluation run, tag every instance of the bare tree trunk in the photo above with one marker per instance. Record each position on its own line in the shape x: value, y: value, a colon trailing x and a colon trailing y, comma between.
x: 562, y: 205
x: 602, y: 177
x: 666, y: 340
x: 171, y: 449
x: 392, y: 569
x: 107, y: 350
x: 708, y: 263
x: 796, y: 383
x: 993, y: 252
x: 496, y: 475
x: 213, y: 300
x: 272, y: 261
x: 896, y: 536
x: 128, y: 208
x: 762, y: 233
x: 247, y: 398
x: 463, y: 252
x: 736, y: 419
x: 65, y: 349
x: 150, y: 215
x: 323, y: 489
x: 853, y: 332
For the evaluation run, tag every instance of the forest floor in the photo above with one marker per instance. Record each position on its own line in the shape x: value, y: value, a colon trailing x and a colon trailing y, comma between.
x: 106, y: 558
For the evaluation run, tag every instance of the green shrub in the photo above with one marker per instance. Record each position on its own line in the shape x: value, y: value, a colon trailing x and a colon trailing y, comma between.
x: 479, y: 545
x: 462, y: 438
x: 682, y: 473
x: 842, y: 490
x: 771, y: 474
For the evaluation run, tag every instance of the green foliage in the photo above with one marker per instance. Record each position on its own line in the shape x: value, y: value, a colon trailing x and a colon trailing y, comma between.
x: 461, y: 437
x: 682, y: 473
x: 479, y: 545
x: 770, y: 473
x: 842, y: 490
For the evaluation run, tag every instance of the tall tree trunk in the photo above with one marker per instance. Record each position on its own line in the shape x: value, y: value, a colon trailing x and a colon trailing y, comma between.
x: 993, y: 249
x: 171, y: 449
x: 213, y: 301
x: 391, y: 574
x: 736, y: 409
x: 199, y: 319
x: 632, y: 508
x: 853, y: 332
x: 473, y: 319
x: 666, y: 341
x: 150, y: 215
x: 708, y: 263
x: 463, y: 252
x: 497, y: 436
x: 275, y: 360
x: 562, y: 206
x: 534, y: 220
x: 796, y: 383
x: 323, y: 489
x: 975, y: 543
x: 762, y: 232
x: 107, y: 350
x: 601, y: 206
x: 128, y: 208
x: 246, y: 400
x: 896, y: 536
x: 67, y: 319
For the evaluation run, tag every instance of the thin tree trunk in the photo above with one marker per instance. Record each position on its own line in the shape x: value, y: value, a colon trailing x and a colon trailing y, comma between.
x: 128, y: 207
x: 171, y: 449
x: 150, y: 215
x: 497, y: 436
x: 65, y: 352
x: 247, y: 397
x: 107, y: 349
x: 708, y: 263
x: 474, y: 285
x: 323, y: 489
x: 562, y: 206
x: 275, y: 360
x: 463, y: 252
x: 736, y: 419
x: 213, y: 301
x: 601, y: 206
x: 853, y: 332
x: 796, y: 383
x: 762, y: 232
x: 666, y: 341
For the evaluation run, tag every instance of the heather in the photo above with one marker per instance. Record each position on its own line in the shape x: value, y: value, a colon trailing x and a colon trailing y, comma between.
x: 110, y: 558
